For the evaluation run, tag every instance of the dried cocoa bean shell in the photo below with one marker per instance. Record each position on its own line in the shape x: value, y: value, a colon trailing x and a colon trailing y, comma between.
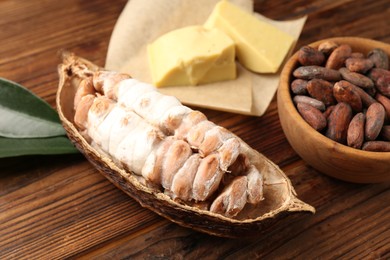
x: 299, y: 87
x: 316, y: 72
x: 355, y: 134
x: 385, y: 133
x: 309, y: 56
x: 338, y: 122
x: 376, y: 146
x: 327, y: 47
x: 375, y: 118
x: 356, y: 78
x: 338, y: 57
x: 360, y: 65
x: 321, y: 90
x: 312, y: 116
x: 310, y: 101
x: 279, y: 195
x: 379, y: 58
x: 344, y: 91
x: 385, y: 101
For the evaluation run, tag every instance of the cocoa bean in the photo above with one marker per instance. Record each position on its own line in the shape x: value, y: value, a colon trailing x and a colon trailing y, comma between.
x: 376, y: 73
x: 385, y: 103
x: 356, y: 78
x: 312, y: 116
x: 383, y: 85
x: 379, y: 58
x: 355, y: 133
x: 321, y: 90
x: 375, y: 117
x: 337, y: 58
x: 298, y: 86
x: 310, y: 101
x: 344, y: 91
x: 309, y: 56
x: 316, y: 72
x: 327, y: 47
x: 359, y: 65
x: 367, y: 99
x: 376, y: 146
x: 338, y: 122
x: 357, y: 55
x: 328, y: 110
x: 385, y: 132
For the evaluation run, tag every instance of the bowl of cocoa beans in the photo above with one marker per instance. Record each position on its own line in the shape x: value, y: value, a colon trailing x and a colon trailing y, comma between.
x: 334, y: 107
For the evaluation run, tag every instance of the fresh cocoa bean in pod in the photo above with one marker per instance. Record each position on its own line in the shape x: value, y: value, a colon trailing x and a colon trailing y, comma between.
x: 376, y: 146
x: 299, y: 86
x: 316, y: 72
x: 310, y: 101
x: 360, y: 65
x: 312, y: 116
x: 385, y: 133
x: 355, y: 134
x: 338, y: 122
x: 356, y: 78
x: 375, y: 117
x: 321, y: 90
x: 327, y: 47
x: 344, y: 91
x: 338, y: 57
x: 309, y: 56
x: 385, y: 103
x: 379, y: 58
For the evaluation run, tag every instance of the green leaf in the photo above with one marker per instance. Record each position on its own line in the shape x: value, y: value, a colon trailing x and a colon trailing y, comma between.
x: 24, y: 115
x: 10, y: 147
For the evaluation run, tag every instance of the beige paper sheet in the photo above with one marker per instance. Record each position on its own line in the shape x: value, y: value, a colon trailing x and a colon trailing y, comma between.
x: 141, y: 22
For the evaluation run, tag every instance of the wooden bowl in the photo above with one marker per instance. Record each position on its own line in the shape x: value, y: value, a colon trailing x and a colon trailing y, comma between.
x: 325, y: 155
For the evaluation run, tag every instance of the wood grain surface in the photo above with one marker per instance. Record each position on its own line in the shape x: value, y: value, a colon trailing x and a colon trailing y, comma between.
x: 60, y: 207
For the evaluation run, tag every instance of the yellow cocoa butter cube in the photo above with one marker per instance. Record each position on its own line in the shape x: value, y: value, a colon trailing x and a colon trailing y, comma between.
x: 261, y: 47
x: 190, y: 56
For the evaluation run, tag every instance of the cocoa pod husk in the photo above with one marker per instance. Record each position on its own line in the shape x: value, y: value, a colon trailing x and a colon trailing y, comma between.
x: 316, y: 72
x: 379, y: 58
x: 310, y: 101
x: 309, y: 56
x: 337, y: 58
x: 359, y: 65
x: 312, y: 116
x: 375, y: 117
x: 355, y: 133
x: 321, y: 90
x: 344, y: 91
x: 356, y: 78
x: 299, y: 86
x: 376, y: 146
x: 338, y: 122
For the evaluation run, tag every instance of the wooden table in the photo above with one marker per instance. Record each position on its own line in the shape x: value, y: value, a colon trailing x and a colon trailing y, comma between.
x: 60, y: 206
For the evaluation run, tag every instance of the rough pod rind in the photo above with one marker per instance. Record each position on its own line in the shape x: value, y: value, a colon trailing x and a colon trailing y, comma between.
x: 253, y: 219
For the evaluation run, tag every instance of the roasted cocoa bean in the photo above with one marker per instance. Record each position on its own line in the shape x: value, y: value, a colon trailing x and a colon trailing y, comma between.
x: 312, y: 116
x: 298, y: 86
x: 385, y: 103
x: 338, y: 122
x: 356, y: 78
x: 376, y: 73
x: 327, y: 47
x: 309, y: 56
x: 359, y: 65
x: 344, y: 91
x: 375, y: 117
x: 379, y: 58
x: 355, y: 134
x: 321, y: 90
x: 376, y: 146
x: 385, y: 132
x: 383, y: 85
x: 316, y: 72
x: 337, y: 58
x: 367, y: 99
x: 328, y: 110
x: 310, y: 101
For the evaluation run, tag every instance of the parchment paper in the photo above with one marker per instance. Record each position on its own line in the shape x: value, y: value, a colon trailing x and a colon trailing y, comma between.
x: 141, y: 22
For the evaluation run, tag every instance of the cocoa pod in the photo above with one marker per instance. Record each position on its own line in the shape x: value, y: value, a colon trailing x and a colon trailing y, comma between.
x: 309, y: 56
x: 337, y: 58
x: 338, y: 122
x: 316, y: 72
x: 356, y: 78
x: 379, y: 58
x: 355, y: 133
x: 312, y: 116
x: 344, y: 91
x: 298, y: 86
x: 310, y: 101
x: 385, y: 132
x: 327, y: 47
x: 321, y: 90
x: 367, y: 99
x: 360, y: 65
x: 385, y: 103
x: 375, y: 117
x: 376, y: 146
x: 328, y: 110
